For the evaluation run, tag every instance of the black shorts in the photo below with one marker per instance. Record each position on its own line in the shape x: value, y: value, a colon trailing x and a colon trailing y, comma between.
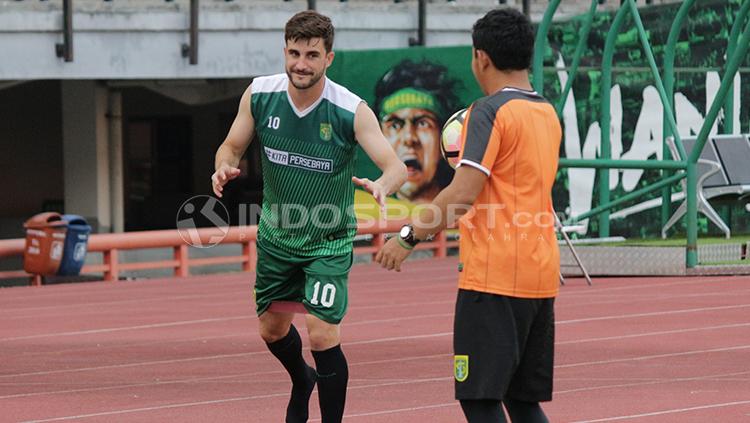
x: 503, y: 346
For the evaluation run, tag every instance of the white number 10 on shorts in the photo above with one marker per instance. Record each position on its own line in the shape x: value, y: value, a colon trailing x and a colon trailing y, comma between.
x: 325, y: 296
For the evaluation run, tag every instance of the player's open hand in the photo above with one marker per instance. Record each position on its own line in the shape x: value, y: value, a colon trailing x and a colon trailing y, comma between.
x: 374, y: 188
x: 392, y: 255
x: 223, y: 174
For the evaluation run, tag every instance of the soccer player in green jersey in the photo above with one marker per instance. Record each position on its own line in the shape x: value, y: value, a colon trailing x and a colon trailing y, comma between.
x: 308, y: 127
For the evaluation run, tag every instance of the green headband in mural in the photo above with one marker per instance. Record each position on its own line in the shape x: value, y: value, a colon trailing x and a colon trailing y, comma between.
x: 410, y: 98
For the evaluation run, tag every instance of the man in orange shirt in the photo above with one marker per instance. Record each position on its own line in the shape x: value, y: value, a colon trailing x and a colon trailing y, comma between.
x: 504, y: 324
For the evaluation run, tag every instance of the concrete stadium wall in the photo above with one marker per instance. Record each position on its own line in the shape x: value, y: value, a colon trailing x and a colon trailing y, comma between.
x: 142, y: 38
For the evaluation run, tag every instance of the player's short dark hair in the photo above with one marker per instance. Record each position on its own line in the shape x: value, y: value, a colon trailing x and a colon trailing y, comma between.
x: 307, y: 25
x: 424, y: 75
x: 506, y: 35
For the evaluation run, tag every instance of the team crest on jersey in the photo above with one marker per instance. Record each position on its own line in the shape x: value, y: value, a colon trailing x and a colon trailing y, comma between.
x: 461, y: 367
x: 326, y: 131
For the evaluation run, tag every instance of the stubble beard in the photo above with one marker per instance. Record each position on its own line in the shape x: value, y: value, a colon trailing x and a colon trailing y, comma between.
x: 313, y: 80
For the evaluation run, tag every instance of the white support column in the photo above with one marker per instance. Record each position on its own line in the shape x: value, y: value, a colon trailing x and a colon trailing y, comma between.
x: 116, y: 181
x: 86, y: 152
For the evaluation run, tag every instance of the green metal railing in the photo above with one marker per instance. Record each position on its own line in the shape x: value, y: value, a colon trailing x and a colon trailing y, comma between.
x: 582, y: 39
x: 731, y: 47
x: 540, y: 45
x: 737, y: 50
x: 632, y: 196
x: 669, y: 53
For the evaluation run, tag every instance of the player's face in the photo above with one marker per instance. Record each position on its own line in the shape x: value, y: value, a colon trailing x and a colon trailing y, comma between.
x: 306, y: 61
x: 415, y: 135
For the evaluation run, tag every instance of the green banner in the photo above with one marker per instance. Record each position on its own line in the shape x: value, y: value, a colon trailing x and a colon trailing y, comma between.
x: 636, y: 110
x: 406, y: 85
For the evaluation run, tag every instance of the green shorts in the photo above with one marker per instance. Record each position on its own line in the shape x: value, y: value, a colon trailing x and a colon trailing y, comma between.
x: 319, y: 283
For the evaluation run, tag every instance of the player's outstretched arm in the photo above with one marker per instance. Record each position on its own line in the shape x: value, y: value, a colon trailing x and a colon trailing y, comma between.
x: 370, y: 137
x: 453, y: 202
x: 231, y: 150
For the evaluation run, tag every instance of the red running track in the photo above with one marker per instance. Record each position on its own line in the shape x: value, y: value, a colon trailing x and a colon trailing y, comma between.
x: 187, y: 350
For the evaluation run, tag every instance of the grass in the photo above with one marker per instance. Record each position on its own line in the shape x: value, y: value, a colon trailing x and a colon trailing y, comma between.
x: 724, y: 263
x: 675, y: 242
x: 680, y: 242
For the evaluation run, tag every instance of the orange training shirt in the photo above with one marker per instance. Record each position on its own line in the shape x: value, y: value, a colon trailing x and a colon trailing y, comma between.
x: 508, y: 244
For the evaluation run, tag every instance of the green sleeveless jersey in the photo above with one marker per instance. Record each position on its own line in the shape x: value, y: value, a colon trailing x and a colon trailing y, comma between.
x: 308, y: 160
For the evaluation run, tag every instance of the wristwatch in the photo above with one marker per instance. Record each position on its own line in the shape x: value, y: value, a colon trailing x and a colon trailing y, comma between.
x: 407, y: 235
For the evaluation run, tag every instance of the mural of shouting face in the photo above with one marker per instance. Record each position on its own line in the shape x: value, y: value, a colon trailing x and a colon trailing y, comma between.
x: 414, y: 134
x: 413, y: 100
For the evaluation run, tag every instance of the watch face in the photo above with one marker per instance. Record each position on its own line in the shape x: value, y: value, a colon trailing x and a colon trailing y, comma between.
x: 405, y: 231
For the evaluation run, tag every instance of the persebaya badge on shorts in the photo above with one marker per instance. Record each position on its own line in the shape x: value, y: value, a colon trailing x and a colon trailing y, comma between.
x: 326, y: 131
x: 461, y: 367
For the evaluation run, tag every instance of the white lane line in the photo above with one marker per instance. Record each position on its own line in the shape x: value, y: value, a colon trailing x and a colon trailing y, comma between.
x: 412, y: 304
x: 651, y: 357
x: 244, y: 334
x: 147, y: 298
x: 213, y: 357
x: 400, y: 338
x: 202, y: 379
x: 125, y: 328
x: 226, y: 400
x: 645, y: 334
x: 201, y: 321
x: 635, y: 298
x: 141, y: 363
x: 717, y: 377
x: 663, y: 412
x: 398, y: 410
x: 161, y: 407
x: 651, y: 314
x: 584, y: 291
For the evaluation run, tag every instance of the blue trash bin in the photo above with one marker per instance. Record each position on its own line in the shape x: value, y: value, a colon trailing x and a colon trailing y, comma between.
x: 76, y: 245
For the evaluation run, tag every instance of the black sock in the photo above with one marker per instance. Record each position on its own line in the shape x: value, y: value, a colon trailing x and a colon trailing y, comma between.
x: 483, y: 411
x: 523, y: 411
x: 289, y: 352
x: 333, y: 375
